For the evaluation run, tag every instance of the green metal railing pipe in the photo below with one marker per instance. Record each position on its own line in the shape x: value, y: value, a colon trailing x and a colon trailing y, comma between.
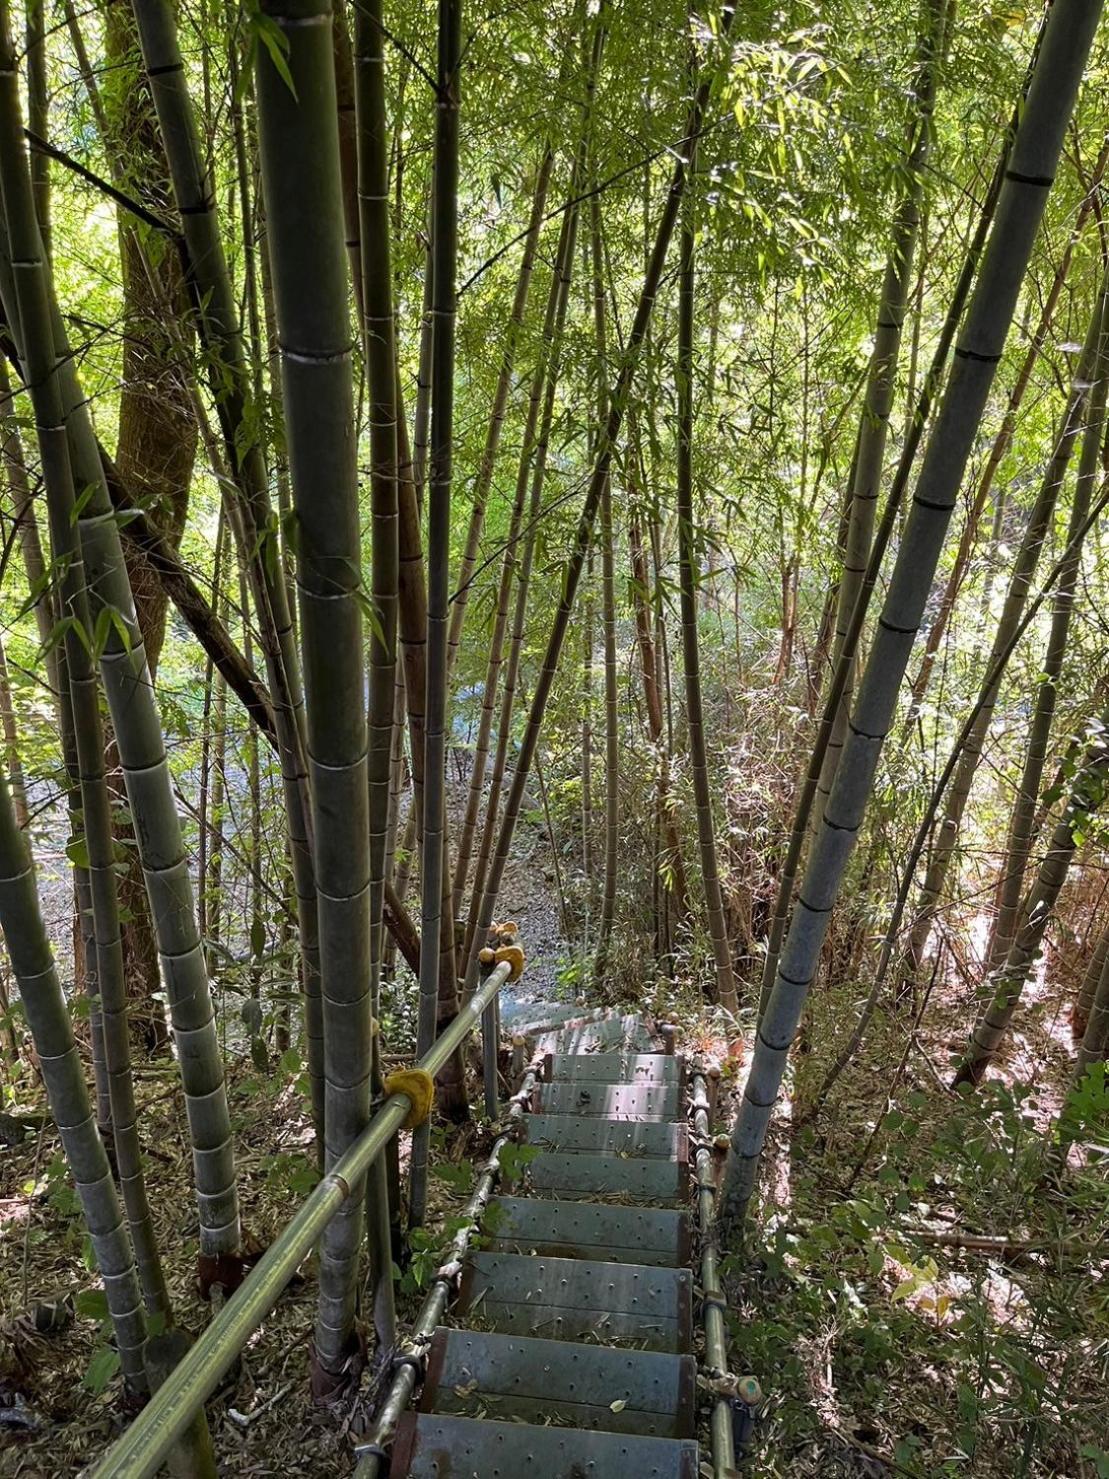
x: 716, y: 1334
x: 373, y: 1452
x: 141, y: 1450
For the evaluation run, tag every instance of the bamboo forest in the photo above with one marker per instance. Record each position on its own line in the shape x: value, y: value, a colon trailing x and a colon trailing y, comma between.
x: 554, y: 680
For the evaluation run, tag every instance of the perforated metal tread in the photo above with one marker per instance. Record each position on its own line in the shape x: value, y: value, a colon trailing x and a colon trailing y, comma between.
x: 658, y: 1139
x: 478, y: 1373
x: 609, y: 1034
x: 612, y: 1068
x: 577, y: 1175
x: 534, y: 1016
x: 609, y: 1101
x: 596, y: 1230
x: 431, y: 1446
x: 579, y: 1299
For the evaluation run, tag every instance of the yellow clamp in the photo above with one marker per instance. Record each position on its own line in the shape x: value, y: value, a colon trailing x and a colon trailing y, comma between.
x: 504, y: 945
x: 418, y: 1084
x: 514, y: 954
x: 491, y: 958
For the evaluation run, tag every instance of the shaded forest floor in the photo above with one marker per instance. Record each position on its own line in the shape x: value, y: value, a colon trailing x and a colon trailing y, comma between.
x: 882, y: 1348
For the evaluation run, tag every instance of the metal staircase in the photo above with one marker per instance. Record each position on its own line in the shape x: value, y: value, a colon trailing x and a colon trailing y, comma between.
x: 571, y: 1354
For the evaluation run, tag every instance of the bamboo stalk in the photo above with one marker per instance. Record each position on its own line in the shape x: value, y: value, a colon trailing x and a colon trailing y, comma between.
x: 1019, y: 839
x: 1007, y: 983
x: 1067, y: 38
x: 433, y: 862
x: 1087, y: 373
x: 1002, y: 441
x: 299, y: 148
x: 533, y: 446
x: 484, y: 479
x: 139, y: 738
x: 609, y: 434
x: 379, y: 337
x: 881, y: 373
x: 48, y: 1018
x: 233, y: 384
x: 725, y: 993
x: 533, y: 457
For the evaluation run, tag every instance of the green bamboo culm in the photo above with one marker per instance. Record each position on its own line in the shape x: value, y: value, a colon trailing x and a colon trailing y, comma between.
x: 299, y: 146
x: 684, y: 162
x: 726, y: 994
x: 531, y: 467
x: 48, y: 1018
x: 608, y: 618
x: 444, y: 235
x: 57, y: 677
x: 468, y: 829
x: 1036, y: 531
x: 1031, y: 168
x: 231, y: 383
x: 1022, y: 822
x: 1007, y: 984
x: 134, y: 713
x: 379, y: 339
x: 866, y: 475
x: 1095, y: 1039
x: 80, y: 703
x: 20, y: 915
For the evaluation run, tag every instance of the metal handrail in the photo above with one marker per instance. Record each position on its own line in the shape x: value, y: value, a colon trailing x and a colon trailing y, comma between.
x: 411, y: 1363
x: 141, y: 1450
x: 716, y: 1334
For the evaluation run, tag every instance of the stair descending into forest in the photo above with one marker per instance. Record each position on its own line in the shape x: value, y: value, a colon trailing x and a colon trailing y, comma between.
x: 571, y: 1354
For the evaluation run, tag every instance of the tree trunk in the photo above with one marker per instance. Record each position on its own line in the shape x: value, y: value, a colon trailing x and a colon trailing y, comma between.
x: 1001, y: 444
x: 608, y: 620
x: 533, y: 458
x: 532, y: 451
x: 1087, y: 995
x: 1095, y: 1039
x: 96, y: 840
x: 40, y: 991
x: 891, y: 519
x: 379, y: 338
x: 673, y: 863
x: 433, y: 861
x: 232, y: 384
x: 484, y: 479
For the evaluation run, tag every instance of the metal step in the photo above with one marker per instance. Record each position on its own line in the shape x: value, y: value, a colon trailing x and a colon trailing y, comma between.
x: 571, y: 1229
x: 428, y: 1446
x: 577, y: 1132
x: 477, y: 1374
x: 577, y: 1299
x: 578, y: 1175
x: 613, y: 1068
x: 611, y: 1034
x: 610, y: 1101
x: 535, y: 1016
